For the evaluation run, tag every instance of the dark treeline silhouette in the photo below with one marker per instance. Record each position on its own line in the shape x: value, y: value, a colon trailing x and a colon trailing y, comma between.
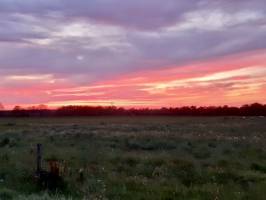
x: 254, y: 109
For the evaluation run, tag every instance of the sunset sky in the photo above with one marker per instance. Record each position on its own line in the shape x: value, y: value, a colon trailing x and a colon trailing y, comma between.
x: 132, y: 53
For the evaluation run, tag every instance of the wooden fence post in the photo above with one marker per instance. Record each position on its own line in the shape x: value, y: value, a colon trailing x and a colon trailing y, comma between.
x: 39, y: 158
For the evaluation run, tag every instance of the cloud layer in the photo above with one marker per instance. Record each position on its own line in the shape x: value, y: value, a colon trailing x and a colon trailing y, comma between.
x: 54, y: 44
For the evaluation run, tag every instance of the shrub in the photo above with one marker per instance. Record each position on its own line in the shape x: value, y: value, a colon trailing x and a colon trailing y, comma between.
x: 6, y: 194
x: 4, y: 142
x: 258, y: 167
x: 202, y: 153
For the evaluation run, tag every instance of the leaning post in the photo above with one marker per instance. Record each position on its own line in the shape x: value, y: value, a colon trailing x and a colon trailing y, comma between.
x: 39, y: 159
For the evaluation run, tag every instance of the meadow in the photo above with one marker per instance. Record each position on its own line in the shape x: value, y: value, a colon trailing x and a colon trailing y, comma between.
x: 140, y: 158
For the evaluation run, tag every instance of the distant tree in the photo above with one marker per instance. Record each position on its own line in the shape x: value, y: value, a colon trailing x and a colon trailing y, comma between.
x: 31, y: 108
x: 38, y: 107
x: 2, y: 107
x: 42, y: 107
x: 16, y: 108
x: 255, y: 109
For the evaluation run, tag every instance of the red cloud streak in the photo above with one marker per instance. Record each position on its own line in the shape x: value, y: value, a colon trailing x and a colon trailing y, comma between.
x: 231, y: 80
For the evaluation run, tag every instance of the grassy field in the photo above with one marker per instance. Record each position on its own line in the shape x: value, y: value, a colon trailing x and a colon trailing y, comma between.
x: 137, y: 157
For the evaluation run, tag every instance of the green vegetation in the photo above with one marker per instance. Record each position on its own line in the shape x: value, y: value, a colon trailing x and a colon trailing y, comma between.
x: 156, y: 158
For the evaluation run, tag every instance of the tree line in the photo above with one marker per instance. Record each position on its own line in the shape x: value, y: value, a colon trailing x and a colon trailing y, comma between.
x: 254, y: 109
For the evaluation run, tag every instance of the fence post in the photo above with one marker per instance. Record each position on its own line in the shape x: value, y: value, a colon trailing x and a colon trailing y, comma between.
x: 39, y: 158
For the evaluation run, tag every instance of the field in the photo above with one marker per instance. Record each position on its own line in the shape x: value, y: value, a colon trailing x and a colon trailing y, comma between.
x: 149, y: 158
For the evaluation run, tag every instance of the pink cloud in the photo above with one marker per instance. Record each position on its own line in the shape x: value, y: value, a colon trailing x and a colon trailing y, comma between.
x: 233, y: 80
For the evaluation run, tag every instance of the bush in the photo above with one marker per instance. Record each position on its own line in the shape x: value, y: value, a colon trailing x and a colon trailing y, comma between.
x: 257, y: 167
x: 202, y: 153
x: 6, y: 194
x: 44, y: 196
x: 149, y: 145
x: 4, y: 142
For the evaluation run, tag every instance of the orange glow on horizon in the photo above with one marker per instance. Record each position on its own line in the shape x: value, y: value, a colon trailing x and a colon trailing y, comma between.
x: 233, y: 80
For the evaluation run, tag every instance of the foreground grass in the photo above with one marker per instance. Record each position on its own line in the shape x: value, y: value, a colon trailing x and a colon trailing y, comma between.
x: 137, y: 157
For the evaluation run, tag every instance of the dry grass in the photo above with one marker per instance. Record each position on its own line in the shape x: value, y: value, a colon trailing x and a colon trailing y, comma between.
x: 137, y: 157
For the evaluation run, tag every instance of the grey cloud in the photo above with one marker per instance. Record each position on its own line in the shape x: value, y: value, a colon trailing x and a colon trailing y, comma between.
x: 146, y: 14
x: 143, y: 29
x: 187, y: 46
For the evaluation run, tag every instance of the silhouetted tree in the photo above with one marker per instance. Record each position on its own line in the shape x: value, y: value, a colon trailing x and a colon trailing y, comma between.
x: 2, y: 107
x: 16, y: 108
x: 42, y: 107
x: 254, y: 109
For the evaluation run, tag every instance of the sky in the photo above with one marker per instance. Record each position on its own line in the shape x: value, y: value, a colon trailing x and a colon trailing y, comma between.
x: 134, y: 53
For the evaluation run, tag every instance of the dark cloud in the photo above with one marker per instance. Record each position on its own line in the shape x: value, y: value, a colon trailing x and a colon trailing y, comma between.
x: 138, y: 14
x: 123, y: 36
